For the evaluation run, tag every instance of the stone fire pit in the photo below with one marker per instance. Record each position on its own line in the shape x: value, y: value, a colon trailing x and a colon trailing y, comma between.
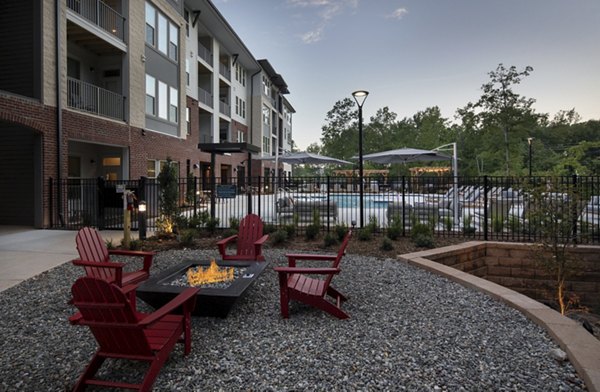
x: 211, y: 301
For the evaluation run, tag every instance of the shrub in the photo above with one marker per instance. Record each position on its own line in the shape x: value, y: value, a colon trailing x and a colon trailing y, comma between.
x: 234, y: 223
x: 386, y: 244
x: 373, y: 225
x: 365, y: 234
x: 228, y: 233
x: 269, y: 228
x: 341, y: 230
x: 169, y: 195
x: 448, y: 223
x: 468, y: 228
x: 423, y: 241
x: 199, y: 220
x: 312, y: 231
x: 330, y: 239
x: 181, y: 222
x: 279, y: 237
x: 211, y: 225
x: 422, y: 235
x: 186, y: 237
x: 394, y: 232
x: 290, y: 230
x: 497, y: 224
x: 109, y: 244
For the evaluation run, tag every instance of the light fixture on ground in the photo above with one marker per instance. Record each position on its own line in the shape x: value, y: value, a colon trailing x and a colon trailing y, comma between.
x: 360, y: 96
x: 530, y: 141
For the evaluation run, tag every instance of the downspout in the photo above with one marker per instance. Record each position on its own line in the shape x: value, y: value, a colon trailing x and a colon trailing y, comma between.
x: 58, y: 115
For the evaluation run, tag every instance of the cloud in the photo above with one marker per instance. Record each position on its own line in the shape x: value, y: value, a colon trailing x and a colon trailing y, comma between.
x: 325, y: 10
x: 397, y: 14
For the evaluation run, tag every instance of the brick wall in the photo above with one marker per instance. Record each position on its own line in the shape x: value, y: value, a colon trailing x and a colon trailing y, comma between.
x: 516, y: 266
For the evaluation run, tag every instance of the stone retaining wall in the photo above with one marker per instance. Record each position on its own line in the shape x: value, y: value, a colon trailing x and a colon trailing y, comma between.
x: 516, y: 266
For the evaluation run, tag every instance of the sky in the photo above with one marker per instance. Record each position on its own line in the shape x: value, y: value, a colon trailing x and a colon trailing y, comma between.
x: 415, y: 54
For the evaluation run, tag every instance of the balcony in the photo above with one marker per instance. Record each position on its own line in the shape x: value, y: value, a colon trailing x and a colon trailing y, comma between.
x: 225, y: 71
x: 101, y: 15
x: 224, y: 108
x: 205, y: 54
x: 205, y: 97
x: 92, y: 99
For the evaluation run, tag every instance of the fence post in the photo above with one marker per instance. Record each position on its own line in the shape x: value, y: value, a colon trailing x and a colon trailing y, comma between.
x: 485, y: 208
x: 328, y: 200
x: 51, y: 200
x: 195, y: 196
x: 259, y: 193
x: 100, y: 189
x: 142, y: 208
x: 574, y: 207
x: 403, y: 206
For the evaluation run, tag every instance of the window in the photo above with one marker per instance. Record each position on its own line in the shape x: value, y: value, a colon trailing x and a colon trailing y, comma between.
x: 186, y: 16
x: 240, y: 136
x: 188, y: 124
x: 151, y: 168
x: 266, y: 117
x: 150, y: 95
x: 173, y: 41
x: 150, y: 24
x: 266, y: 144
x: 237, y: 106
x: 162, y: 33
x: 243, y: 114
x: 163, y: 101
x: 173, y: 104
x: 187, y: 72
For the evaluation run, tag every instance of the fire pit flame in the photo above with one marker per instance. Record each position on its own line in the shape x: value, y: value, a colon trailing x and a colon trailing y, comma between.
x: 210, y: 274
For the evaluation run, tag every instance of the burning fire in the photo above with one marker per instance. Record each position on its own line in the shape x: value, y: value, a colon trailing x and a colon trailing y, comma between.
x: 210, y: 274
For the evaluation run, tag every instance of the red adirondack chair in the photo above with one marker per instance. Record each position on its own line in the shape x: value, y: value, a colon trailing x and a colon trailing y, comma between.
x: 250, y: 240
x: 94, y: 256
x: 294, y: 284
x: 123, y: 333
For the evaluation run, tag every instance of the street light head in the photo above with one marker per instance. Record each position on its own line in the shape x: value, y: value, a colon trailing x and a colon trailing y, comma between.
x: 360, y: 96
x: 529, y: 140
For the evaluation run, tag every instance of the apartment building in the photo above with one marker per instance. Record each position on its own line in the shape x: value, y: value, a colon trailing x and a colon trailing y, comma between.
x: 111, y: 89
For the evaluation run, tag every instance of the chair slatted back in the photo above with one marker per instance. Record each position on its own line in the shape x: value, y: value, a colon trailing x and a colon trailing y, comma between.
x: 110, y: 316
x: 91, y: 247
x: 251, y: 229
x: 338, y: 259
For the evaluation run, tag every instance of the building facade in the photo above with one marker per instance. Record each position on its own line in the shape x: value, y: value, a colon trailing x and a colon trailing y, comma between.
x: 112, y: 89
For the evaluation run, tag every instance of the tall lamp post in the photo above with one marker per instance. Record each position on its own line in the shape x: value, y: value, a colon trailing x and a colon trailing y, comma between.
x: 360, y: 96
x: 529, y: 141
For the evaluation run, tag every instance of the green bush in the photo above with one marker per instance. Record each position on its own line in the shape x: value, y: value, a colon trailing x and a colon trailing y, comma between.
x: 330, y: 239
x: 497, y: 224
x: 228, y: 232
x: 234, y: 223
x: 290, y: 230
x: 341, y: 230
x: 211, y: 225
x: 199, y: 220
x: 312, y: 231
x: 365, y: 234
x: 187, y: 236
x: 468, y: 228
x: 109, y: 244
x: 448, y: 223
x: 279, y: 237
x: 386, y: 244
x: 394, y: 232
x: 269, y: 228
x: 423, y: 241
x: 373, y: 225
x: 181, y: 222
x: 422, y: 235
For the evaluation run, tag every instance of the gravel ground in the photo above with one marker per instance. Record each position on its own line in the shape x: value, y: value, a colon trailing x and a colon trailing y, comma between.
x: 409, y: 330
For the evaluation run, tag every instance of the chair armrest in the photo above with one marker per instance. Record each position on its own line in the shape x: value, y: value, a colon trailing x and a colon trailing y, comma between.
x: 223, y: 244
x: 148, y: 256
x: 262, y: 240
x: 187, y: 295
x: 118, y: 267
x: 292, y: 257
x: 296, y: 270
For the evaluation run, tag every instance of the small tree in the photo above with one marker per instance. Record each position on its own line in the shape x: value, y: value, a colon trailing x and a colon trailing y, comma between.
x: 553, y: 206
x: 168, y: 197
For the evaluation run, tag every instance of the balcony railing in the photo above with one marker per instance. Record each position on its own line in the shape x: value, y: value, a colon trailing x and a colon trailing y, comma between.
x: 205, y: 97
x: 225, y: 108
x: 225, y: 71
x: 92, y: 99
x: 205, y: 54
x: 100, y: 14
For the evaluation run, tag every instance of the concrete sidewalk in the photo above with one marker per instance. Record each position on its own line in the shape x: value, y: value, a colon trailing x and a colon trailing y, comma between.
x: 26, y: 252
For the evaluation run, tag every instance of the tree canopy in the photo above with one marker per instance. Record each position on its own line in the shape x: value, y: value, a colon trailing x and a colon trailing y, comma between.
x: 491, y: 134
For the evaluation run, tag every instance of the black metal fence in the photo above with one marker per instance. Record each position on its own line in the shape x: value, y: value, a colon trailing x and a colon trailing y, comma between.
x: 487, y: 208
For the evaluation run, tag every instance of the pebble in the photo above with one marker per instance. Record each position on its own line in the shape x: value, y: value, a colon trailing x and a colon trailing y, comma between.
x: 408, y: 330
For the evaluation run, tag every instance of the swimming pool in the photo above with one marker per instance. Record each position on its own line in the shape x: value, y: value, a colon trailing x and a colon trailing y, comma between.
x: 352, y: 200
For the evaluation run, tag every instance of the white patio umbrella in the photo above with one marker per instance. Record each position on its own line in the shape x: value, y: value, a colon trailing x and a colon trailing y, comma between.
x: 404, y: 155
x: 306, y: 157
